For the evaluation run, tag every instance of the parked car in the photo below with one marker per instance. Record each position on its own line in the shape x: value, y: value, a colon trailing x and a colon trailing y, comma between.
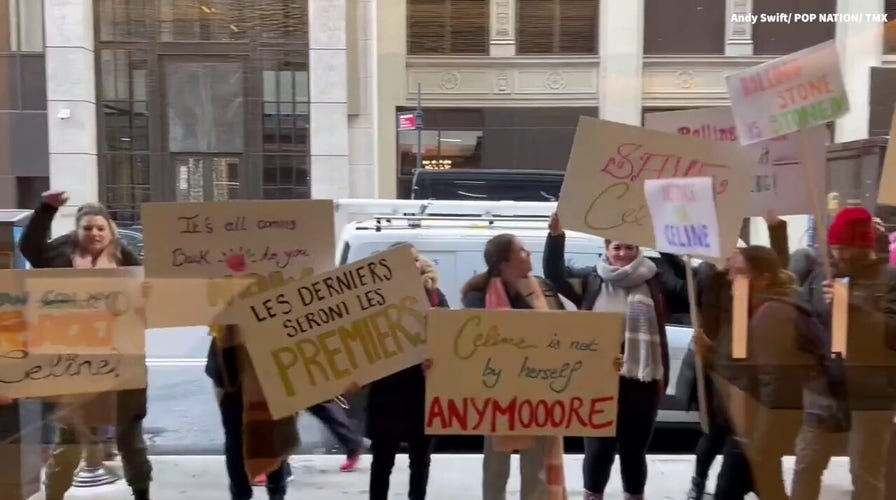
x: 133, y: 238
x: 455, y: 244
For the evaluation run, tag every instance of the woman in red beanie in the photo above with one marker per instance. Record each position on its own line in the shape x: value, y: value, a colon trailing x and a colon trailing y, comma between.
x: 871, y: 329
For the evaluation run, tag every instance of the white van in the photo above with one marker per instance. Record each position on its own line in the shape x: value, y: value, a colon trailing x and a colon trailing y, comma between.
x: 455, y: 244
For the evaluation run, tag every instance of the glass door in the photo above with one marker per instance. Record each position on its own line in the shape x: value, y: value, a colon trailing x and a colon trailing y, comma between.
x: 204, y: 104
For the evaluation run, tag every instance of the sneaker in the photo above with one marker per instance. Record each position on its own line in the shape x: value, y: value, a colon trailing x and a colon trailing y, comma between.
x: 261, y: 480
x: 351, y: 463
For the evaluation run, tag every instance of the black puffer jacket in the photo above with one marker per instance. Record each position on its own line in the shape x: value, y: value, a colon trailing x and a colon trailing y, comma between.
x: 57, y: 254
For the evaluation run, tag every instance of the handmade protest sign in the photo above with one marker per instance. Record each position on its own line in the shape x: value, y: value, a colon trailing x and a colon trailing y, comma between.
x: 603, y: 192
x: 886, y: 194
x: 71, y: 331
x: 778, y: 183
x: 200, y: 256
x: 522, y: 372
x: 791, y: 93
x: 684, y: 218
x: 315, y: 338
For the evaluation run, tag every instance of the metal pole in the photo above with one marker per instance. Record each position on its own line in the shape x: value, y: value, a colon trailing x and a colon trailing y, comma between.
x: 419, y: 129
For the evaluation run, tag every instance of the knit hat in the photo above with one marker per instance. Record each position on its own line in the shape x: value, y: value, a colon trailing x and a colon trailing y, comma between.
x: 852, y: 227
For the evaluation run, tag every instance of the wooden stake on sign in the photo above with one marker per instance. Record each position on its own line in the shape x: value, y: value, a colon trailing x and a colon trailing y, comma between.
x: 698, y: 330
x: 840, y: 316
x: 805, y: 159
x: 740, y: 303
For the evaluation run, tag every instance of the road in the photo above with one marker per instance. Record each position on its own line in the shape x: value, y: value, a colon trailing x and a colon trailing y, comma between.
x: 183, y: 418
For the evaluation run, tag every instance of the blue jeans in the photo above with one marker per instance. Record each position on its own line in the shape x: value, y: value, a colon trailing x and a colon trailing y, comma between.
x: 231, y: 406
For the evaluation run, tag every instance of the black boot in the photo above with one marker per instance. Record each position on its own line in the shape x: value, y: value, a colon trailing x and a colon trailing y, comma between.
x: 141, y: 494
x: 698, y: 489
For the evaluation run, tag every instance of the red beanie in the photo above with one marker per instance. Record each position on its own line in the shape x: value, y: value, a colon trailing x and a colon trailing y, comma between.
x: 852, y: 227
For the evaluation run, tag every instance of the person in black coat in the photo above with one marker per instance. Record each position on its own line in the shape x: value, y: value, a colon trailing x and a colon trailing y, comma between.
x: 396, y: 407
x: 94, y: 244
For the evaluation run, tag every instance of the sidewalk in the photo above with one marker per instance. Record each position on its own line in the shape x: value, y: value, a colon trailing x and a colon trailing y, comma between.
x: 453, y: 477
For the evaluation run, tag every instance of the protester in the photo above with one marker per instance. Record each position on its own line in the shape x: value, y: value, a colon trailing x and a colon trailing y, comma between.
x: 714, y: 305
x: 507, y: 283
x: 623, y: 281
x: 252, y: 440
x: 333, y: 415
x: 396, y: 407
x: 93, y: 245
x: 871, y: 329
x: 779, y: 367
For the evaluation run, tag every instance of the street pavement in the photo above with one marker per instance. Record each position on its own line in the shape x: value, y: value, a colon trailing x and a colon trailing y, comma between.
x: 452, y: 477
x: 182, y: 416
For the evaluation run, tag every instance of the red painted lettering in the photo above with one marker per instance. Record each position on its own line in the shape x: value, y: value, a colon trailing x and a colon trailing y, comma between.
x: 508, y: 411
x: 596, y: 410
x: 490, y: 416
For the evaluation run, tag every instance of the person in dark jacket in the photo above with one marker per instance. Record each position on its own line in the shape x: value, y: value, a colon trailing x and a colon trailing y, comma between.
x: 714, y: 305
x: 94, y: 244
x: 871, y: 329
x: 624, y: 281
x: 396, y: 406
x: 223, y: 366
x: 775, y: 374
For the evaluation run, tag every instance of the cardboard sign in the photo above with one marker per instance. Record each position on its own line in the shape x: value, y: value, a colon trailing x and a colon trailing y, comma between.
x: 260, y: 245
x: 523, y: 372
x: 779, y: 182
x: 603, y: 192
x: 886, y: 194
x: 684, y: 216
x: 67, y: 331
x: 316, y: 338
x: 791, y: 93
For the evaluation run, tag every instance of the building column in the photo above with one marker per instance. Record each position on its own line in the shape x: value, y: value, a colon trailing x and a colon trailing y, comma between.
x: 390, y: 79
x: 621, y: 84
x: 860, y: 44
x: 738, y: 28
x: 502, y: 28
x: 329, y: 99
x: 362, y: 58
x: 71, y: 104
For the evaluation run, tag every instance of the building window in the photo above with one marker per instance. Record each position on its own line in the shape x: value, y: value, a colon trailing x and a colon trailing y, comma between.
x: 23, y: 85
x: 123, y: 100
x: 284, y: 172
x: 442, y: 149
x: 781, y: 38
x: 23, y: 25
x: 122, y: 20
x: 684, y: 27
x: 206, y: 20
x: 557, y: 26
x: 127, y: 186
x: 442, y: 27
x: 205, y: 106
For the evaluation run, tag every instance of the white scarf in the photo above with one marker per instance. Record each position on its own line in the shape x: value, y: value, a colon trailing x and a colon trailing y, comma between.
x: 625, y: 290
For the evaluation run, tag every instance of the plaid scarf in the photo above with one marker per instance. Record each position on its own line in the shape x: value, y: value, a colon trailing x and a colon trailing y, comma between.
x: 496, y: 298
x: 266, y: 442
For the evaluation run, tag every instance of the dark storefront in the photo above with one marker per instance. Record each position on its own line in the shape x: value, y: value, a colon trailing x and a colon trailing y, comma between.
x: 201, y: 101
x: 490, y: 138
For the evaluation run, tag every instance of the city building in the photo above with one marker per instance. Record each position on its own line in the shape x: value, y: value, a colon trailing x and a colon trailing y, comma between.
x: 24, y: 164
x: 503, y: 82
x: 193, y: 100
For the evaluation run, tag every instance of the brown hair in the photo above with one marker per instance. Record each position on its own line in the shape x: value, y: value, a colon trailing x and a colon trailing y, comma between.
x: 497, y: 251
x: 764, y: 262
x: 92, y: 209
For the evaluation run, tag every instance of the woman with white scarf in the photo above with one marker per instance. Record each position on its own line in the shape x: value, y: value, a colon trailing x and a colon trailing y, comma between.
x: 627, y: 282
